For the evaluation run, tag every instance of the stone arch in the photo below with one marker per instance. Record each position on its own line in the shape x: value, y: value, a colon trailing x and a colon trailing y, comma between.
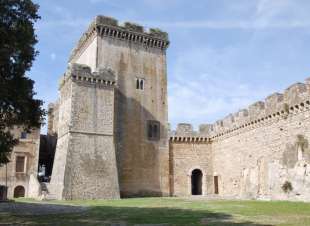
x: 196, y: 182
x: 19, y: 191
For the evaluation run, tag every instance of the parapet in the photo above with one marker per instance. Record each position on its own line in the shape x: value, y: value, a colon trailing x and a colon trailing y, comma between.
x: 256, y: 110
x: 82, y: 73
x: 274, y: 103
x: 186, y: 134
x: 205, y: 129
x: 295, y: 98
x: 295, y: 93
x: 184, y: 129
x: 130, y: 32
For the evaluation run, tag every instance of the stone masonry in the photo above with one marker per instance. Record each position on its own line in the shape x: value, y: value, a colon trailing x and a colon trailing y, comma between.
x: 253, y: 152
x: 113, y: 140
x: 20, y: 174
x: 85, y: 161
x: 112, y: 130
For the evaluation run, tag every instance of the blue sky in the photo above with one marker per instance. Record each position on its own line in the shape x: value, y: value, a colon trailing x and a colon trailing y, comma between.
x: 223, y: 56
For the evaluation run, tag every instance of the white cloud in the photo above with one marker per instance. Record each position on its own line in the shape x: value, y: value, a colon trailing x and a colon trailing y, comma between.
x: 229, y: 24
x: 202, y: 91
x: 274, y: 14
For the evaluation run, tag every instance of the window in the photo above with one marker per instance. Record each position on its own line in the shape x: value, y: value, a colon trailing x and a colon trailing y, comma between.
x: 20, y: 164
x: 23, y: 135
x: 140, y: 83
x: 153, y: 130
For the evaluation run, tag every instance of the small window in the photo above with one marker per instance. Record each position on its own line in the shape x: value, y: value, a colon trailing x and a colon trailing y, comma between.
x: 140, y: 83
x: 153, y: 130
x: 23, y: 135
x: 20, y: 164
x: 137, y: 84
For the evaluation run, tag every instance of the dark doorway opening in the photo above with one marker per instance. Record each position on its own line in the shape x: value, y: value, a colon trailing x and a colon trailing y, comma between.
x: 196, y: 182
x: 216, y: 184
x: 19, y: 191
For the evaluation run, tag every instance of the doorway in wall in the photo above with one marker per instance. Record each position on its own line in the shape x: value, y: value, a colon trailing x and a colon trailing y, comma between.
x: 196, y: 179
x: 216, y: 184
x: 19, y: 191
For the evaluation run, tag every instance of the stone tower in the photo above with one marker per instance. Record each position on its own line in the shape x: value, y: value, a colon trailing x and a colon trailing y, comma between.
x: 138, y: 60
x: 85, y: 161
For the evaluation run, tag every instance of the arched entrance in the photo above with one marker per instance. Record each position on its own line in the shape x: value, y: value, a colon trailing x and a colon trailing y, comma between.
x: 196, y: 179
x: 19, y: 191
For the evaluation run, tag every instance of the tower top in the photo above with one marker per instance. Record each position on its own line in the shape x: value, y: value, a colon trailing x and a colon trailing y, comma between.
x: 130, y: 32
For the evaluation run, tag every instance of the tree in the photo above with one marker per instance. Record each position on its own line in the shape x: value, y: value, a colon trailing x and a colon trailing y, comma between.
x: 18, y: 107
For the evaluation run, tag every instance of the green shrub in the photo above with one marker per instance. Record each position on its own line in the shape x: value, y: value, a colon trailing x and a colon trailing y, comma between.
x: 287, y: 187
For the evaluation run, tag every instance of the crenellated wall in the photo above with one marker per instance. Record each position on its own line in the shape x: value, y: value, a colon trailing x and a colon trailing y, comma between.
x: 255, y: 151
x: 85, y: 159
x: 134, y: 54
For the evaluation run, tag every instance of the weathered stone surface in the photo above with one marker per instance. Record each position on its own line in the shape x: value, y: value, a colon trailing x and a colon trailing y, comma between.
x: 98, y: 121
x: 85, y: 160
x: 102, y: 116
x: 28, y: 147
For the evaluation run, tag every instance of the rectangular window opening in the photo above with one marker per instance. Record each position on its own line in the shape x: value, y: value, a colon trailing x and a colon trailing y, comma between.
x: 20, y: 164
x: 23, y: 135
x: 140, y: 83
x: 153, y: 130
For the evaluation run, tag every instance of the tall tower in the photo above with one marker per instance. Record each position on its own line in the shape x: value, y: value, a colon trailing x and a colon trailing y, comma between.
x: 138, y: 59
x: 85, y: 160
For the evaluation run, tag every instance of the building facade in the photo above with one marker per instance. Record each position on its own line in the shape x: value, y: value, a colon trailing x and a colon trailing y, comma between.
x: 20, y: 174
x: 111, y: 118
x: 113, y: 140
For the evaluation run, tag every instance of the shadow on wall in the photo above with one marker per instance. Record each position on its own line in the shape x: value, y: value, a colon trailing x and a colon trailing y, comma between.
x: 141, y: 167
x: 44, y: 214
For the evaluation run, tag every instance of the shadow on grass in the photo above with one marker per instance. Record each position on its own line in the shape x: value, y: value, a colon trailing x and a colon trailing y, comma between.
x: 106, y: 215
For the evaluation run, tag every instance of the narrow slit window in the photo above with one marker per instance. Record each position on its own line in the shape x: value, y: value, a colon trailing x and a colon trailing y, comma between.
x: 137, y: 84
x: 140, y: 83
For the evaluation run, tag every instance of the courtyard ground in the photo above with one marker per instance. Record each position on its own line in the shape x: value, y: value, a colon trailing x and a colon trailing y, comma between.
x: 155, y: 211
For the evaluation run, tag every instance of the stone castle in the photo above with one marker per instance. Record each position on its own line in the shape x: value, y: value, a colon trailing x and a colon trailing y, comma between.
x: 113, y: 136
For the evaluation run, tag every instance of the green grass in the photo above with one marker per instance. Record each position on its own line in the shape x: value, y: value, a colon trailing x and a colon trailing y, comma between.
x: 175, y: 211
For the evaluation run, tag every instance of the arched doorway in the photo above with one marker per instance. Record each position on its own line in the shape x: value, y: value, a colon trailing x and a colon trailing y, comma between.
x: 196, y: 179
x: 19, y: 191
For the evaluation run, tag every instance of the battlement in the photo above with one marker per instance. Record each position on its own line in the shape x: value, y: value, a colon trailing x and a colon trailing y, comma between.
x: 186, y: 134
x: 189, y: 139
x: 82, y: 73
x: 130, y: 32
x: 294, y: 99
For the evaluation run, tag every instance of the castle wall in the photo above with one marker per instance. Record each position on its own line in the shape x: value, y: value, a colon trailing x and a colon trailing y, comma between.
x: 253, y: 152
x: 53, y: 118
x: 185, y: 156
x: 88, y: 54
x: 143, y: 163
x: 260, y: 148
x: 131, y: 53
x: 60, y: 160
x: 258, y: 161
x: 85, y: 162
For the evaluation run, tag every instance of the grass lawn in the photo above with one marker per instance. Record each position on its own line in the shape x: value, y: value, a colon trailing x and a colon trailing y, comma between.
x: 175, y: 211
